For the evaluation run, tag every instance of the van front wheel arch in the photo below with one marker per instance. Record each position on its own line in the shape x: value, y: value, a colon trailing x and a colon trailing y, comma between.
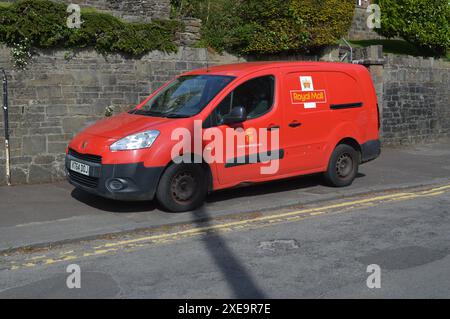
x: 343, y: 166
x: 182, y: 187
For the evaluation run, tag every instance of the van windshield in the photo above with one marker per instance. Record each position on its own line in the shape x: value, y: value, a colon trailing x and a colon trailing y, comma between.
x: 186, y: 96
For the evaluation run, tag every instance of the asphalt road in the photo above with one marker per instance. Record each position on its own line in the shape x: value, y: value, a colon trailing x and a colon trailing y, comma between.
x: 42, y: 214
x: 319, y: 250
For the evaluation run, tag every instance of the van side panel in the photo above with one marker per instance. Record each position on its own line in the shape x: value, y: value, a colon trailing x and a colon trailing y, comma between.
x: 354, y: 108
x: 347, y: 108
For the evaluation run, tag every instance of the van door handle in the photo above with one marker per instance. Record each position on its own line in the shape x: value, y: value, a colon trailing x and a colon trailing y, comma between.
x: 295, y: 124
x: 273, y: 128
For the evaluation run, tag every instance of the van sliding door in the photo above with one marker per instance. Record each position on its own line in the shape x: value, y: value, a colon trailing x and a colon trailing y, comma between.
x: 306, y: 120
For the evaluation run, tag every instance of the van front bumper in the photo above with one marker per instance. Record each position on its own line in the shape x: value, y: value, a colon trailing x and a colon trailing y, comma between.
x: 128, y: 182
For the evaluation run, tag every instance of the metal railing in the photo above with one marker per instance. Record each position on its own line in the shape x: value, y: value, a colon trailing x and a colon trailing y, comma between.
x: 351, y: 51
x: 6, y: 126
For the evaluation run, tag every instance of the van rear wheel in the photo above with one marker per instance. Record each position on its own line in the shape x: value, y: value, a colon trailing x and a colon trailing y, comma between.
x: 343, y: 166
x: 182, y: 187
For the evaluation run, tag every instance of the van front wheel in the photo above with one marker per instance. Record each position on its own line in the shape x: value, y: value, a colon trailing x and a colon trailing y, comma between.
x: 343, y: 166
x: 182, y: 187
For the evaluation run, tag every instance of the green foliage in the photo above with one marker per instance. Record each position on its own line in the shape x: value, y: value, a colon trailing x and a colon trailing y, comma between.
x: 43, y: 24
x: 327, y: 21
x: 424, y: 23
x: 269, y: 26
x: 109, y: 111
x: 193, y: 8
x: 400, y: 47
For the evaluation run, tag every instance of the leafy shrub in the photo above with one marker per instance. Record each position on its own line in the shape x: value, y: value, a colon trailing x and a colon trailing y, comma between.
x: 327, y: 21
x: 269, y: 26
x: 424, y: 23
x: 42, y: 24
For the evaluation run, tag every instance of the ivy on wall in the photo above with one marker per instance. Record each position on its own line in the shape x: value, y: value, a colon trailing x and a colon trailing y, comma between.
x: 29, y: 24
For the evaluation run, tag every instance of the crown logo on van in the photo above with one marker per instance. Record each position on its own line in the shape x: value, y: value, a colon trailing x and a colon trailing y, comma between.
x: 307, y: 85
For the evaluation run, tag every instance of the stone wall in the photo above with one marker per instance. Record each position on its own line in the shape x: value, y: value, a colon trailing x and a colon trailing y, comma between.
x: 359, y: 29
x: 191, y: 33
x: 416, y: 100
x: 129, y: 10
x: 55, y: 98
x: 413, y: 94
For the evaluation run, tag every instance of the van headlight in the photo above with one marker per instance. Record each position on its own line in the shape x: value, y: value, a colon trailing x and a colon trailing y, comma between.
x: 136, y: 141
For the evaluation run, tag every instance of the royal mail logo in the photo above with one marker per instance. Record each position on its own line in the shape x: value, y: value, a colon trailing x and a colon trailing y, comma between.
x: 300, y: 97
x: 308, y: 95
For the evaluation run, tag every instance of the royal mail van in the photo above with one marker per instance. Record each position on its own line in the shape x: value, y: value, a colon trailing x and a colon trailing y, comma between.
x: 228, y: 126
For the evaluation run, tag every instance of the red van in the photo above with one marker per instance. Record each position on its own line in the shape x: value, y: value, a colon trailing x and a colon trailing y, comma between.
x: 295, y: 118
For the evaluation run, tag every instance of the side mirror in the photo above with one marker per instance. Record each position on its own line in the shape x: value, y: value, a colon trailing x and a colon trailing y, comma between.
x: 237, y: 115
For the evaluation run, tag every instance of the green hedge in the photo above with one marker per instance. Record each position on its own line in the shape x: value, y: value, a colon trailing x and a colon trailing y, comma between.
x: 31, y: 24
x: 269, y: 26
x: 424, y: 23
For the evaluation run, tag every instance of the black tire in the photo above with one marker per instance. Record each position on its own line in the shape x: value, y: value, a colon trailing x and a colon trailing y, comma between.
x: 343, y: 166
x: 183, y: 187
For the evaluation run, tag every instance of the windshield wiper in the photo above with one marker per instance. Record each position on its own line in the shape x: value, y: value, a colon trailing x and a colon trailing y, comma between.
x: 159, y: 114
x: 148, y: 113
x: 176, y: 116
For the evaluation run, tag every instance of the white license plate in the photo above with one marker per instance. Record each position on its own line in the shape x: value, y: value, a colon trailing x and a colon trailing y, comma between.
x: 79, y: 168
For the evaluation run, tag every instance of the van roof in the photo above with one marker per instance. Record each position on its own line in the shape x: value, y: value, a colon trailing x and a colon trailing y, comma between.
x: 241, y: 69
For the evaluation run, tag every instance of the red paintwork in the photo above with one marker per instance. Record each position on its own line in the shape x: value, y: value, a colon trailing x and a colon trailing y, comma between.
x: 307, y: 148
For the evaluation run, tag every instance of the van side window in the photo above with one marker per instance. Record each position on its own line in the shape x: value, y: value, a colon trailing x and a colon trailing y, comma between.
x: 256, y: 96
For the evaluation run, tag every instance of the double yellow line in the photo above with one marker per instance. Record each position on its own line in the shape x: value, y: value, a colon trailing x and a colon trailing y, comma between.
x: 249, y: 223
x: 284, y: 216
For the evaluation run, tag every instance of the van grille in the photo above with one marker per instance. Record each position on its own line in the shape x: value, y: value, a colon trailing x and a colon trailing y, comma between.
x: 88, y: 181
x: 86, y: 157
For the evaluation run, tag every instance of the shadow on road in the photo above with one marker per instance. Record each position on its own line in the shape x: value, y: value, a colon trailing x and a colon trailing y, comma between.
x: 295, y: 183
x: 236, y: 275
x: 110, y: 205
x: 266, y: 188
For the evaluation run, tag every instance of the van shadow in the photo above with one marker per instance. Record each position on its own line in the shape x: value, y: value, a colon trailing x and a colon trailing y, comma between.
x: 280, y: 186
x: 295, y: 183
x: 109, y: 205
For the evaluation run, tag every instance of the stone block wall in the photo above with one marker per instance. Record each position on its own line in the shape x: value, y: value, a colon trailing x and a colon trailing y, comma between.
x: 55, y: 98
x: 413, y: 94
x: 416, y: 100
x: 359, y: 29
x: 191, y: 34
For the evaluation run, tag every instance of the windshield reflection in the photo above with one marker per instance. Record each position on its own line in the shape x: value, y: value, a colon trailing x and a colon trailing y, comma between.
x: 184, y: 97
